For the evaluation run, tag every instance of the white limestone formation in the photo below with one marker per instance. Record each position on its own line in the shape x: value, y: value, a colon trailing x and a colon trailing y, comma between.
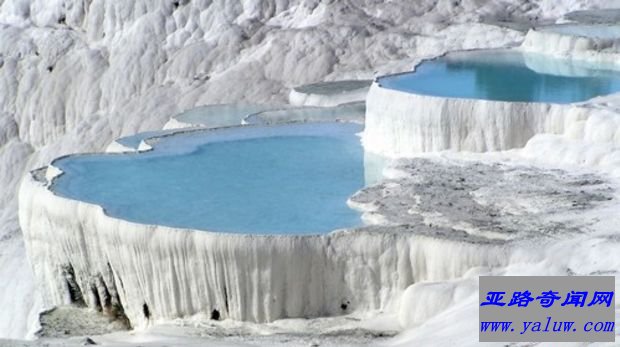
x: 75, y: 75
x: 150, y: 273
x: 403, y: 124
x: 594, y: 43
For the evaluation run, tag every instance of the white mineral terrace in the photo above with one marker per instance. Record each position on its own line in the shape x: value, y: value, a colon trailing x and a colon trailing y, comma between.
x: 421, y: 123
x: 443, y: 212
x: 598, y: 43
x: 405, y: 123
x: 83, y: 256
x: 159, y: 273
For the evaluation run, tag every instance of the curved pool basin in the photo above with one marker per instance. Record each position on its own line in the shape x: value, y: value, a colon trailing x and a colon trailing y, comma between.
x: 507, y: 75
x: 291, y: 179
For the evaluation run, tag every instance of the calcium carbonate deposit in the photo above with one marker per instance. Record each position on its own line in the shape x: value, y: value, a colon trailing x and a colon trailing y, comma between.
x: 450, y: 185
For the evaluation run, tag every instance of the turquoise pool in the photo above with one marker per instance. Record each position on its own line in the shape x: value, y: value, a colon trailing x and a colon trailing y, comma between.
x: 292, y: 179
x: 507, y: 75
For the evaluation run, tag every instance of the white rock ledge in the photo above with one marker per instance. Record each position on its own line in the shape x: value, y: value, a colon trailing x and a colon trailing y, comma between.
x: 119, y: 266
x: 402, y: 124
x: 578, y: 42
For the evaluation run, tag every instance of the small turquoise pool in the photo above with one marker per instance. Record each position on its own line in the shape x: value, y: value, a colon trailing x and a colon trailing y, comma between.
x: 292, y: 179
x: 507, y: 75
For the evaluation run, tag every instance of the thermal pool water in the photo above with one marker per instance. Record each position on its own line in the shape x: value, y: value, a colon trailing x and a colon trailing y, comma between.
x: 293, y: 179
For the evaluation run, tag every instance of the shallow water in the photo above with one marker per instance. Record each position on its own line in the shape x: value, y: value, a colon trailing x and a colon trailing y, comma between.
x: 599, y: 31
x: 507, y: 76
x: 294, y: 181
x: 216, y: 116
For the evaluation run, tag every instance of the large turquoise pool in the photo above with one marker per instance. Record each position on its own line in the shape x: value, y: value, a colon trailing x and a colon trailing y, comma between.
x: 507, y: 75
x: 292, y: 179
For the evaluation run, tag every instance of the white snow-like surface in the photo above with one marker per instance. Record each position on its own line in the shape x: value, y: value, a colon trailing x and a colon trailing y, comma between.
x: 179, y: 272
x: 403, y: 124
x: 587, y: 145
x: 590, y: 43
x: 76, y: 75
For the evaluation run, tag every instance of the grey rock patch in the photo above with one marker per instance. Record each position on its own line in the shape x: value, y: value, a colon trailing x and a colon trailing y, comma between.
x: 88, y: 342
x: 598, y: 16
x: 333, y: 87
x: 494, y: 201
x: 68, y: 321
